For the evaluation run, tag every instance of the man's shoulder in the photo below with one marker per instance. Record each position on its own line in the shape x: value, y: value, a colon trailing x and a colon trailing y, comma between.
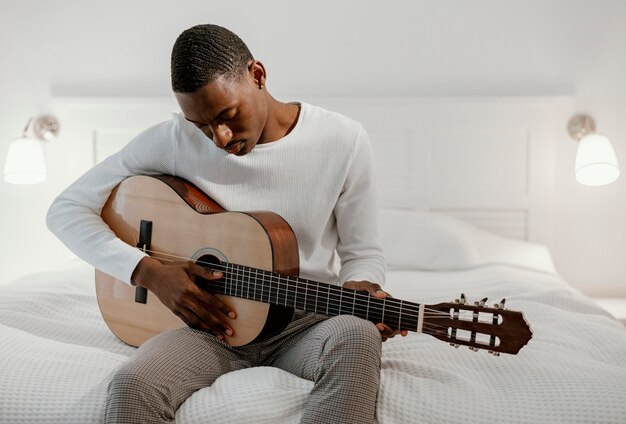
x: 331, y: 120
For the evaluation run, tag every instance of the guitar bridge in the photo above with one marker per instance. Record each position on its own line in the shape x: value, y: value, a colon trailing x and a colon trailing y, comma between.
x: 145, y: 238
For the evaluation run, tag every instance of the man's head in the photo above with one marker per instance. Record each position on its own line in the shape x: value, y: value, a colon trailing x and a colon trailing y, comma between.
x: 219, y: 86
x: 204, y: 53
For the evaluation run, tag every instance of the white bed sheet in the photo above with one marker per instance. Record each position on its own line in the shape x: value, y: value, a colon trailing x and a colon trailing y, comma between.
x: 57, y: 356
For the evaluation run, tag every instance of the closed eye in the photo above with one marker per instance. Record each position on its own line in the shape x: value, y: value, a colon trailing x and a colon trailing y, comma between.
x: 228, y: 115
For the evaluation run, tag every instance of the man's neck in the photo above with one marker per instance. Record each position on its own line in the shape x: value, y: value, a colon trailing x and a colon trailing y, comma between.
x: 281, y: 120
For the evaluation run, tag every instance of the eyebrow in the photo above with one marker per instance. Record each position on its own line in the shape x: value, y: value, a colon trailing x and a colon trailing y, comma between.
x: 226, y: 109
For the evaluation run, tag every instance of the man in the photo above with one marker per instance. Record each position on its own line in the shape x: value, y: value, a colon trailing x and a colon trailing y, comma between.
x: 311, y: 166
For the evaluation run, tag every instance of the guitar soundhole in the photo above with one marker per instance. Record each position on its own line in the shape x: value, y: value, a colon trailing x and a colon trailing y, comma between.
x: 208, y: 261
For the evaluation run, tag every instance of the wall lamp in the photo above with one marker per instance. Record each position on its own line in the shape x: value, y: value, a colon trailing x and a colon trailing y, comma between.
x: 25, y: 162
x: 596, y: 163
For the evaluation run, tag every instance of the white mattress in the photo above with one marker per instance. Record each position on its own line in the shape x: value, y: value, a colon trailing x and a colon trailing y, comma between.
x: 57, y: 355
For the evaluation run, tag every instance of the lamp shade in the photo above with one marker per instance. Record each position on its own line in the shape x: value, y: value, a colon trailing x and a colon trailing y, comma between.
x: 596, y: 163
x: 25, y: 162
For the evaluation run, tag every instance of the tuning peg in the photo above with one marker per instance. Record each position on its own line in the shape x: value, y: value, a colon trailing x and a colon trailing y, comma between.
x: 481, y: 302
x: 474, y: 349
x: 455, y: 345
x: 494, y: 353
x: 499, y: 305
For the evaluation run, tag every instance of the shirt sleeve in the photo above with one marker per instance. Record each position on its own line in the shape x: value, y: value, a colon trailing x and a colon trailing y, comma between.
x: 74, y: 216
x: 356, y: 212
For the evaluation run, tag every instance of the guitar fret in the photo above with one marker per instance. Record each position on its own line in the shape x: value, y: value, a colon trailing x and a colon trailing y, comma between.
x: 269, y: 291
x: 254, y: 290
x: 382, y: 318
x: 248, y: 287
x: 245, y: 281
x: 340, y: 298
x: 329, y: 301
x: 229, y: 279
x: 274, y: 287
x: 289, y: 291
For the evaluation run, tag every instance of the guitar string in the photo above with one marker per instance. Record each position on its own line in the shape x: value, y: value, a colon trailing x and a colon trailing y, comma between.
x: 363, y: 301
x: 393, y: 304
x: 326, y: 289
x: 362, y: 311
x: 428, y: 328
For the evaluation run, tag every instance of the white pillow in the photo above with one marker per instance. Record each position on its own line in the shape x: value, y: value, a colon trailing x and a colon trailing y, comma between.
x: 425, y: 240
x: 438, y: 242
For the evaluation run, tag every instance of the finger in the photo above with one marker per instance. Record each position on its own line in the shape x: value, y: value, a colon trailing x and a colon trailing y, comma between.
x: 384, y: 329
x: 212, y: 312
x: 203, y: 271
x: 387, y: 332
x: 193, y: 322
x: 376, y: 291
x: 211, y: 324
x: 211, y: 301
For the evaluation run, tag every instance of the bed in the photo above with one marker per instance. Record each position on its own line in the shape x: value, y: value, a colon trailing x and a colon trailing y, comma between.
x: 57, y: 354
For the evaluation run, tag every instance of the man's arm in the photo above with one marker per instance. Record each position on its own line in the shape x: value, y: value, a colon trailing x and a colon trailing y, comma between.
x: 362, y: 260
x: 356, y: 213
x: 74, y: 216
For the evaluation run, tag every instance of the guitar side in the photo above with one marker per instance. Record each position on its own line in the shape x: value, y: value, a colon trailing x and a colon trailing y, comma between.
x: 188, y: 225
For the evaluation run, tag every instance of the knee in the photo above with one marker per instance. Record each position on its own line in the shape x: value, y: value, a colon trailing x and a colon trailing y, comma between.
x: 355, y: 334
x: 132, y: 381
x: 135, y: 395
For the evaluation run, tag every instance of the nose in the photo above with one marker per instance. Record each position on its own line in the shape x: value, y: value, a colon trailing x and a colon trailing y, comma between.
x: 222, y: 135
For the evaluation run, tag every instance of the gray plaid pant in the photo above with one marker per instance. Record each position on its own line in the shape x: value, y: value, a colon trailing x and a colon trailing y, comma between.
x: 341, y: 355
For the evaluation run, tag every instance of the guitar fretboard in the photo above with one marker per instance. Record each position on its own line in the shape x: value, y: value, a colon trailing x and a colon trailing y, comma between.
x: 313, y: 296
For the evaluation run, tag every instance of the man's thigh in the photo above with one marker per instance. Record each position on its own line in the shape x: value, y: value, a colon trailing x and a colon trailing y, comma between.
x: 347, y: 337
x: 184, y: 360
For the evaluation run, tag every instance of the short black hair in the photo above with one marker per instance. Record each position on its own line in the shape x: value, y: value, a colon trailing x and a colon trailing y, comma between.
x: 203, y: 53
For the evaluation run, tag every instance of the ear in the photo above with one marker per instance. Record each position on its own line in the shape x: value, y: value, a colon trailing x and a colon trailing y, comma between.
x: 257, y: 72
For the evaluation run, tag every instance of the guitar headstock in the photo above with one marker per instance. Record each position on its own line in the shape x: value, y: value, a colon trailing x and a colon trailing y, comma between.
x: 478, y: 326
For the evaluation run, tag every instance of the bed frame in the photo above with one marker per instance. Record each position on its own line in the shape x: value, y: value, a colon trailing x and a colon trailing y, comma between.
x: 488, y: 161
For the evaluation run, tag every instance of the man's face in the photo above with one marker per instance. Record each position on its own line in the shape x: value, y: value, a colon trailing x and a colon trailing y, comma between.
x: 231, y: 113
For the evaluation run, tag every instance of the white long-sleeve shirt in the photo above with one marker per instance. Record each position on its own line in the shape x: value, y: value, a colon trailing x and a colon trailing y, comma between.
x: 319, y: 178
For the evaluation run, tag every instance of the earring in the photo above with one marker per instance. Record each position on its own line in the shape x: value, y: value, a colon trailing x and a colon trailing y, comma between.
x: 260, y: 86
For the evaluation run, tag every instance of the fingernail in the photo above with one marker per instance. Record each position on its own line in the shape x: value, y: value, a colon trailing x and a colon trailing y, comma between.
x: 229, y: 331
x: 232, y: 315
x: 217, y: 273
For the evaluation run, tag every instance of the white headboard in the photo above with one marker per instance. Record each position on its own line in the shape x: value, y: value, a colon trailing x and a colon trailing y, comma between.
x: 488, y: 161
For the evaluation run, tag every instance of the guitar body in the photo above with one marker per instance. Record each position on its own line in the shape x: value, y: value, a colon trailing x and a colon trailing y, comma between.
x: 172, y: 220
x: 188, y: 225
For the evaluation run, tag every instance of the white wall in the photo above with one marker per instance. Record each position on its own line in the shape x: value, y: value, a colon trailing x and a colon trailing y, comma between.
x: 330, y: 48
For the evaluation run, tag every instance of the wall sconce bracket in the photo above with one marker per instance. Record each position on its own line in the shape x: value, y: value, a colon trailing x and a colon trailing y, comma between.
x: 46, y: 127
x: 580, y: 125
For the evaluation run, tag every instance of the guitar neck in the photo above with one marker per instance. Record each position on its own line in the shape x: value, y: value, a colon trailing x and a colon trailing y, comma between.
x: 313, y: 296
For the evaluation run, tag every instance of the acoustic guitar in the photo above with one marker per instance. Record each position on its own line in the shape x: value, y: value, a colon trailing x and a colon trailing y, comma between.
x: 172, y: 220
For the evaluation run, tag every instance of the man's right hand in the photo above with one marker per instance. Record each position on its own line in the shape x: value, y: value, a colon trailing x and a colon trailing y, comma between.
x: 173, y: 284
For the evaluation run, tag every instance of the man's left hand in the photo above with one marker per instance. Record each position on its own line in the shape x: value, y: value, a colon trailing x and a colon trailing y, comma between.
x: 375, y: 290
